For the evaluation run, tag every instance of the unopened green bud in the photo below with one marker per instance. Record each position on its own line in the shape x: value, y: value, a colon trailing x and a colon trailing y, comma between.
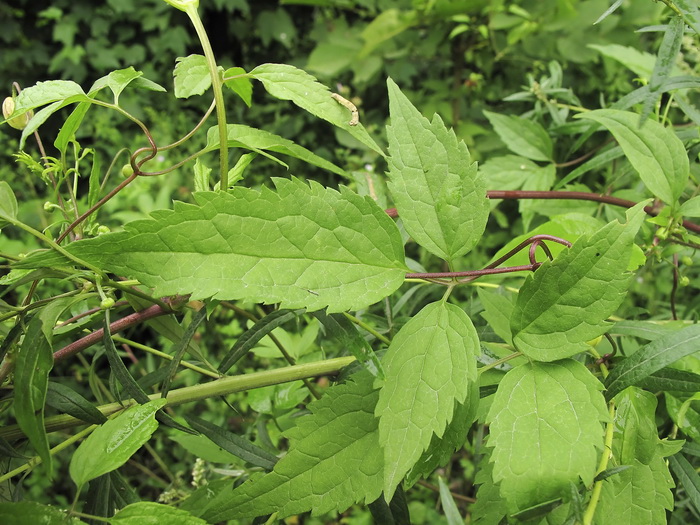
x: 107, y: 303
x: 683, y: 281
x: 102, y: 229
x: 127, y: 171
x: 686, y: 260
x: 19, y: 122
x: 662, y: 233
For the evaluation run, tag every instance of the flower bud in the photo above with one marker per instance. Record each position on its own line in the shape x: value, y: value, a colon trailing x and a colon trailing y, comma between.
x: 18, y: 122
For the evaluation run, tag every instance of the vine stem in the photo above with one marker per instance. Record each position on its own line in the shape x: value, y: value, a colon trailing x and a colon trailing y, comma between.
x: 217, y: 388
x: 191, y: 11
x: 607, y: 452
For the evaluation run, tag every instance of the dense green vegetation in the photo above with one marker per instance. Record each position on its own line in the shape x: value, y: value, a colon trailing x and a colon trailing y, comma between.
x: 345, y: 261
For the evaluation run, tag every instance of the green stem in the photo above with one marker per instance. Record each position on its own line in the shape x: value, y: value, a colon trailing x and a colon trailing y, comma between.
x: 607, y: 453
x: 218, y: 94
x: 220, y: 387
x: 367, y: 328
x: 499, y: 362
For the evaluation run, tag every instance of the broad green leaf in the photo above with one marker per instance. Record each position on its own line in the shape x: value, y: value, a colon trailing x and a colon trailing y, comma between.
x: 120, y: 79
x: 635, y: 435
x: 691, y: 207
x: 70, y: 126
x: 640, y: 63
x: 440, y: 195
x: 640, y: 494
x: 150, y: 513
x: 442, y: 448
x: 654, y: 151
x: 393, y: 513
x: 33, y: 364
x: 684, y: 414
x: 688, y: 476
x: 32, y: 513
x: 565, y: 303
x: 522, y: 136
x: 236, y: 445
x: 497, y: 312
x: 302, y: 246
x: 260, y: 141
x: 113, y: 443
x: 240, y: 85
x: 191, y: 76
x: 334, y: 461
x: 448, y: 505
x: 43, y: 93
x: 8, y: 203
x: 429, y: 367
x: 652, y: 357
x: 252, y: 337
x: 546, y: 431
x: 289, y: 83
x: 665, y: 61
x: 65, y: 399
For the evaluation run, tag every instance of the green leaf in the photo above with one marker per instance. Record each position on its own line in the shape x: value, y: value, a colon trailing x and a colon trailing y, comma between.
x: 387, y: 25
x: 65, y: 399
x: 33, y: 364
x: 490, y: 508
x: 201, y: 176
x: 442, y: 448
x: 440, y: 195
x: 42, y: 116
x: 237, y: 172
x: 179, y: 349
x: 498, y: 310
x: 241, y: 85
x: 640, y: 494
x: 8, y: 203
x: 691, y: 13
x: 652, y: 357
x: 685, y: 415
x: 691, y: 207
x: 150, y: 513
x: 258, y: 140
x: 565, y: 303
x: 654, y: 151
x: 191, y: 76
x: 434, y: 352
x: 32, y: 513
x: 302, y: 246
x: 289, y: 83
x: 688, y: 476
x: 339, y: 328
x: 635, y: 436
x: 448, y: 504
x: 113, y: 443
x: 545, y: 431
x: 251, y: 337
x: 236, y: 445
x: 43, y: 93
x: 671, y: 380
x: 70, y: 126
x: 665, y: 61
x: 522, y: 136
x: 334, y: 461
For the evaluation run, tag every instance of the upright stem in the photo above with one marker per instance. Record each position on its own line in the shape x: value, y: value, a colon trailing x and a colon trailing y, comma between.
x: 218, y: 94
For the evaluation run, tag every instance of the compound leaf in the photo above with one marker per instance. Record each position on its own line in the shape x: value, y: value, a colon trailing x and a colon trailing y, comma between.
x: 566, y: 301
x: 334, y: 461
x: 655, y: 151
x: 428, y: 367
x: 289, y: 83
x: 302, y: 246
x: 440, y: 195
x: 545, y: 431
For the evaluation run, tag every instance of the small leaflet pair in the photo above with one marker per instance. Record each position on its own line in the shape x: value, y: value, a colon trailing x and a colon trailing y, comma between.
x: 355, y: 120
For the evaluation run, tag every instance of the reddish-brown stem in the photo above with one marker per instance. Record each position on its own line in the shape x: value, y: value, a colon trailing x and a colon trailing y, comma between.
x: 473, y: 273
x: 97, y: 205
x: 117, y: 326
x: 575, y: 195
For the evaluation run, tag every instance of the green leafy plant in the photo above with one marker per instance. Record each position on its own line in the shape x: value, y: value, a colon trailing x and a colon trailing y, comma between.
x: 560, y: 424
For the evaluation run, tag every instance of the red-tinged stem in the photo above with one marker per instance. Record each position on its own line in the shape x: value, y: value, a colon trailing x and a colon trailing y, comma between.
x: 564, y: 195
x: 473, y: 273
x: 116, y: 326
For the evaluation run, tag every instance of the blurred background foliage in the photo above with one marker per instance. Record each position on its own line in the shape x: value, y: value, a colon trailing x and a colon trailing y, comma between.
x: 458, y: 58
